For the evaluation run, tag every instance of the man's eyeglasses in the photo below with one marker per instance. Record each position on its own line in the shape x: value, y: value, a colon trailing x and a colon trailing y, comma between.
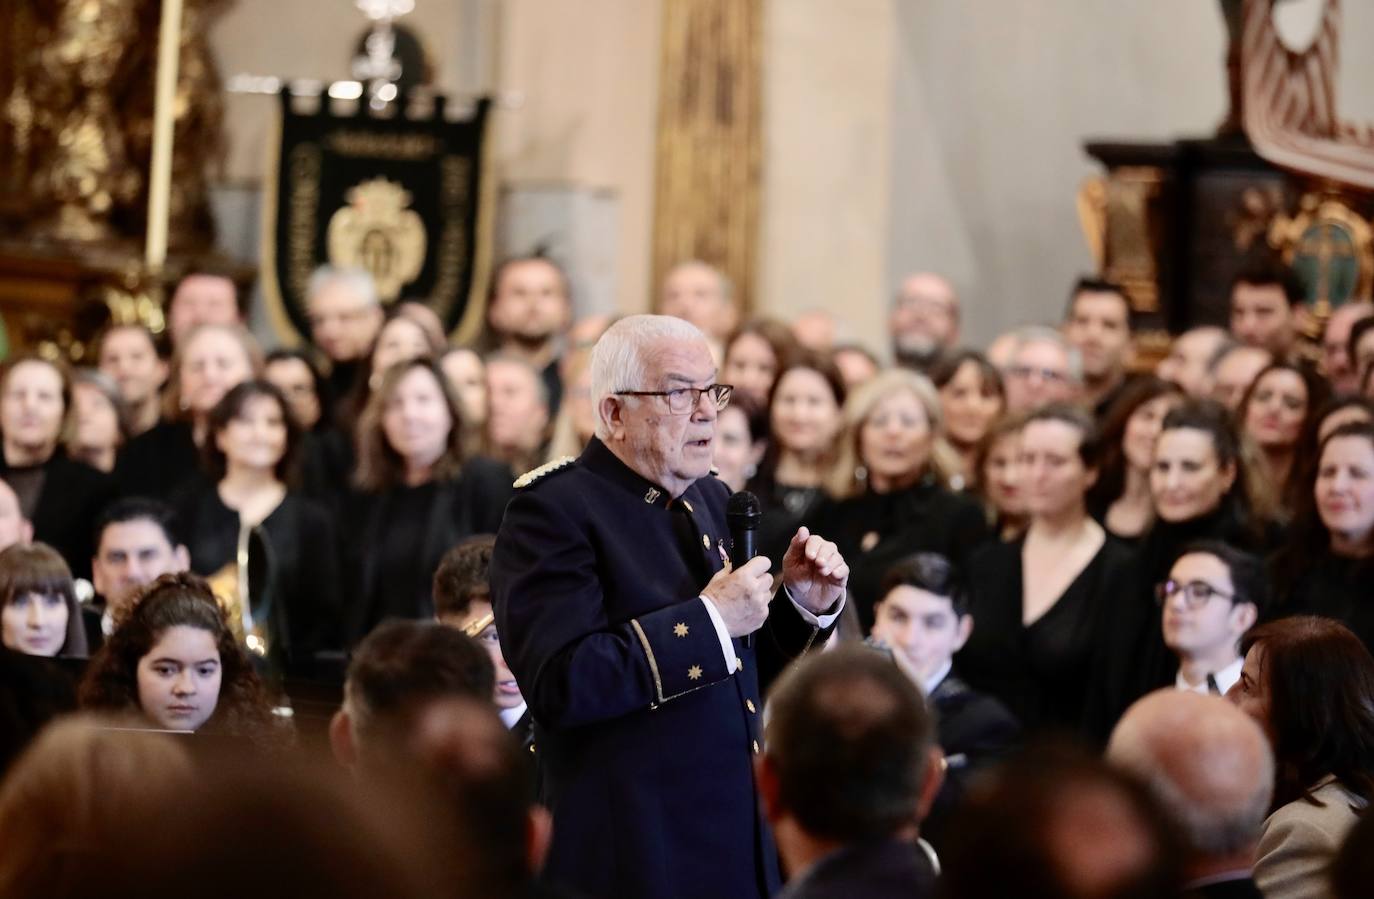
x: 1024, y: 372
x: 685, y: 399
x: 1195, y: 593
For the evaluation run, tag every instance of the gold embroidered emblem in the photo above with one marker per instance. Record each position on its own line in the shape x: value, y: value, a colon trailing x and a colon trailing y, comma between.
x: 651, y: 495
x: 680, y: 629
x: 376, y: 231
x: 694, y: 673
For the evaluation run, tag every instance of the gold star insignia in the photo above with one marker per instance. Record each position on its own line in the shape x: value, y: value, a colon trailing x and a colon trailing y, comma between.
x: 694, y: 673
x: 680, y: 629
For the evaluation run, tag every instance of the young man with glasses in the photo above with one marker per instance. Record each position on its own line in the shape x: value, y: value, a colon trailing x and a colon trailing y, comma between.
x: 1214, y: 594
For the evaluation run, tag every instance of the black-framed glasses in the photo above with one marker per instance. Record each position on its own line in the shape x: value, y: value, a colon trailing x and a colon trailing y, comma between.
x: 1195, y: 593
x: 685, y: 399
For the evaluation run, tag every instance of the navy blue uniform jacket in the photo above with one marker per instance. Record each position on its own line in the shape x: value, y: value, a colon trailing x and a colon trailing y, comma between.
x: 645, y: 738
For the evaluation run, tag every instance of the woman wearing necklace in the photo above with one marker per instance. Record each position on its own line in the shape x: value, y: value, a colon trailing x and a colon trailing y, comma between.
x: 1040, y: 602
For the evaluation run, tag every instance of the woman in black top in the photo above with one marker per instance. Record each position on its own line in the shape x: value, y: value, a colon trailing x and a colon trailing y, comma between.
x: 1327, y: 568
x: 1039, y: 604
x: 1120, y: 499
x: 60, y: 496
x: 804, y: 420
x: 892, y: 484
x: 244, y: 521
x: 418, y: 494
x: 1276, y: 412
x: 1204, y: 488
x: 211, y: 360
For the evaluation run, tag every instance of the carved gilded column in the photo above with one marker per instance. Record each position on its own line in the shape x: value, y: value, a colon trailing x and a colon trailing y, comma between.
x: 710, y: 138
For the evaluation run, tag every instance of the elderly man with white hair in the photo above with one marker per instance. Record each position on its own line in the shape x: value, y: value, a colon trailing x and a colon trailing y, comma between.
x: 642, y: 653
x: 1211, y: 768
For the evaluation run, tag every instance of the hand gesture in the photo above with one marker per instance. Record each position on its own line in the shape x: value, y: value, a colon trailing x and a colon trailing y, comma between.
x: 814, y: 572
x: 741, y: 595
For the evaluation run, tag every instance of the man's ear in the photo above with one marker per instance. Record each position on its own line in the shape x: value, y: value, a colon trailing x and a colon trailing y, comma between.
x: 538, y: 836
x: 611, y: 411
x: 1243, y: 616
x: 25, y: 531
x: 965, y: 631
x: 341, y: 739
x: 182, y: 557
x: 934, y: 779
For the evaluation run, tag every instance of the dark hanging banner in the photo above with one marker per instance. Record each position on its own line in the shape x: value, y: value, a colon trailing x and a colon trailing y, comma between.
x: 400, y: 197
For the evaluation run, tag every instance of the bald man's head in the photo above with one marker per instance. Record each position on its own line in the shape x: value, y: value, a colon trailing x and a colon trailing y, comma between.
x: 1207, y: 762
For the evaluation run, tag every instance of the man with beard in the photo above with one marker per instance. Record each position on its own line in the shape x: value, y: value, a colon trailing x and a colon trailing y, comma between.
x: 529, y: 309
x: 1099, y: 324
x: 924, y: 320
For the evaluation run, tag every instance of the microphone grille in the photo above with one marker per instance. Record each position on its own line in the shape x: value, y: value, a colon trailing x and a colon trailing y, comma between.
x: 743, y: 503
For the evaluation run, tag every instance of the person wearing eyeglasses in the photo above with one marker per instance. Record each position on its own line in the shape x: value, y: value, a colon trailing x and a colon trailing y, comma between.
x: 1212, y: 597
x: 642, y: 653
x: 1044, y: 368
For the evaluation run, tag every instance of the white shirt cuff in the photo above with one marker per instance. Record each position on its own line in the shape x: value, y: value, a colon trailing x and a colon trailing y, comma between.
x: 820, y: 621
x: 727, y: 646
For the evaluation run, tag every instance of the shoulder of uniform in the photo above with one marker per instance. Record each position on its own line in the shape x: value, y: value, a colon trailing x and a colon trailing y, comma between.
x: 535, y: 475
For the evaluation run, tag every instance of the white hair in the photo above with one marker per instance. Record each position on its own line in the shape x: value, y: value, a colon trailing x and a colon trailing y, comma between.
x: 358, y: 280
x: 618, y: 357
x: 1041, y: 334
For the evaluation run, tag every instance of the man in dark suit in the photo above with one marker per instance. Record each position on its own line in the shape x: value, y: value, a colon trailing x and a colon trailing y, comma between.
x: 849, y: 772
x: 923, y: 618
x: 640, y: 652
x: 1210, y: 767
x: 134, y: 545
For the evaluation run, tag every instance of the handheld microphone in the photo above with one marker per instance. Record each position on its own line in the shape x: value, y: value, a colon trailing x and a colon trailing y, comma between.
x: 742, y: 516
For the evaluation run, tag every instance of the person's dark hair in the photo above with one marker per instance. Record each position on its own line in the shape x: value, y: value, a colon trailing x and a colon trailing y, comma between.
x: 755, y: 415
x: 1319, y: 678
x: 932, y: 573
x: 211, y: 268
x: 1357, y: 333
x: 777, y: 335
x: 177, y: 600
x: 1016, y: 832
x: 490, y: 338
x: 1249, y: 500
x: 809, y: 360
x: 849, y: 738
x: 379, y: 465
x: 1308, y: 536
x: 1111, y: 478
x: 404, y: 664
x: 1091, y: 284
x: 138, y: 508
x: 113, y: 327
x: 231, y: 407
x: 463, y: 576
x: 294, y: 353
x: 1269, y: 271
x: 38, y: 568
x: 1318, y: 392
x: 1249, y: 579
x: 947, y: 366
x: 1089, y: 442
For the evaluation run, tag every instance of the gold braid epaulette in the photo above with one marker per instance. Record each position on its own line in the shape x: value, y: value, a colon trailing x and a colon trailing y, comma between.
x: 534, y: 475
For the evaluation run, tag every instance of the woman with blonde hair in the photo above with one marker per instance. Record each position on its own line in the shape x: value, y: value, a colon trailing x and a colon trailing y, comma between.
x: 892, y: 485
x: 210, y: 361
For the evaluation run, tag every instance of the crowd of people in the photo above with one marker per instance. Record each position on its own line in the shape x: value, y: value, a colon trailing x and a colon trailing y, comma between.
x: 1103, y: 626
